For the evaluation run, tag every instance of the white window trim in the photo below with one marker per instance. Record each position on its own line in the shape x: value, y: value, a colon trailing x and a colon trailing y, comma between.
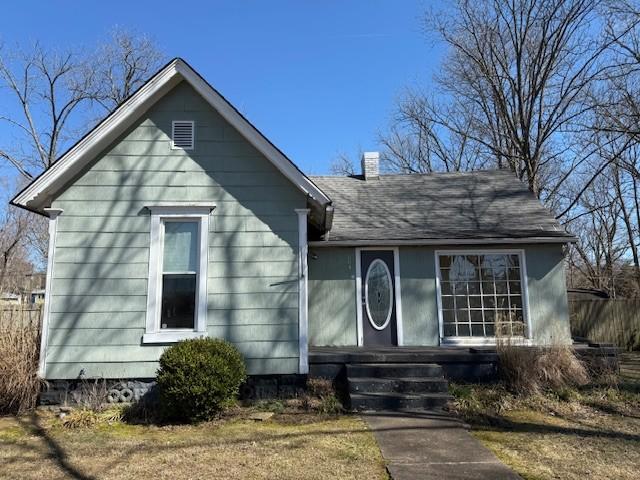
x: 160, y: 212
x: 524, y: 280
x: 397, y: 291
x: 193, y: 134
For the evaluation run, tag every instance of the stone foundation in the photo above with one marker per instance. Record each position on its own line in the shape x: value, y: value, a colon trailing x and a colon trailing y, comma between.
x: 91, y: 391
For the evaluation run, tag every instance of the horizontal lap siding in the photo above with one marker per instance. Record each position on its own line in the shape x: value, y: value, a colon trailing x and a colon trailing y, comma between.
x: 101, y: 267
x: 332, y: 295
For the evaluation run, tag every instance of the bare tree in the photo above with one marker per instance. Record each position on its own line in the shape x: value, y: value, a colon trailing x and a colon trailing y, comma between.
x: 55, y: 95
x: 48, y: 87
x: 512, y: 92
x: 123, y: 65
x: 14, y: 259
x: 602, y: 245
x: 342, y: 164
x: 417, y: 144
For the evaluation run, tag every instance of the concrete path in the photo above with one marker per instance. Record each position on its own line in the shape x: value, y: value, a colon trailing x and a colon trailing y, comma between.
x: 431, y: 445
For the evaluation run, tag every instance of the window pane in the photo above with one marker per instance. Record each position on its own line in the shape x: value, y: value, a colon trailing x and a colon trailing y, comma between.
x: 178, y: 301
x: 449, y: 330
x: 475, y: 302
x: 477, y: 330
x: 516, y: 302
x: 461, y: 302
x: 379, y: 299
x: 445, y: 261
x: 180, y: 247
x: 462, y: 269
x: 514, y: 274
x: 448, y: 316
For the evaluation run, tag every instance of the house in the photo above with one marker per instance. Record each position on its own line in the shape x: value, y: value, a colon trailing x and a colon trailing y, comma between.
x: 10, y: 298
x: 176, y: 218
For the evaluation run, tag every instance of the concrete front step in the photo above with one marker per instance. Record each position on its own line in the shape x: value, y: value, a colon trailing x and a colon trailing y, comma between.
x: 397, y: 385
x: 398, y: 401
x: 393, y: 370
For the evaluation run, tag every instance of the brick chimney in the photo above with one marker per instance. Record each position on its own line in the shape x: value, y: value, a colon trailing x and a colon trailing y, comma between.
x: 371, y: 165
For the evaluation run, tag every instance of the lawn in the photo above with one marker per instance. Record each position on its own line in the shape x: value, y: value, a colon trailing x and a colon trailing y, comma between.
x: 287, y: 446
x: 593, y: 432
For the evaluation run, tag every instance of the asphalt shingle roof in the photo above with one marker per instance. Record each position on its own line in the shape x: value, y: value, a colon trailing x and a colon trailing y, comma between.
x: 470, y: 205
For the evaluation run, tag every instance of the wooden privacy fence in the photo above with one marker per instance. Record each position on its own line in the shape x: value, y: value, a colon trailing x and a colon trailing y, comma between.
x: 607, y: 321
x: 20, y: 316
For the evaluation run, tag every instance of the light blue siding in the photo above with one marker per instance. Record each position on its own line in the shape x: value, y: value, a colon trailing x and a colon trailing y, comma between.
x: 99, y: 282
x: 332, y: 303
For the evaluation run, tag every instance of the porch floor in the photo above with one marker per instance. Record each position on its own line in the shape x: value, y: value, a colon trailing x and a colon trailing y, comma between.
x: 459, y: 363
x: 352, y: 354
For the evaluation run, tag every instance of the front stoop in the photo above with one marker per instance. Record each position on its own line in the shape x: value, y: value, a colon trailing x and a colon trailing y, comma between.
x: 396, y: 386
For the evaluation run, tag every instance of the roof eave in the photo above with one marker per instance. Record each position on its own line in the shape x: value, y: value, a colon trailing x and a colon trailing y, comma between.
x: 444, y: 241
x: 72, y: 162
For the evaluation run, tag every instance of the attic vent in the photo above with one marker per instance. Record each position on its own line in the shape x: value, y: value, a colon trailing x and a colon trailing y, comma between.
x: 182, y: 134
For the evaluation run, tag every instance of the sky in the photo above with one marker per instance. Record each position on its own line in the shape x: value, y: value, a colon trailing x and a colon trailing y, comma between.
x: 318, y: 78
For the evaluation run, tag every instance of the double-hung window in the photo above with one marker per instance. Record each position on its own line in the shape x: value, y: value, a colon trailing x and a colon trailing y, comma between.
x: 482, y: 294
x: 177, y: 292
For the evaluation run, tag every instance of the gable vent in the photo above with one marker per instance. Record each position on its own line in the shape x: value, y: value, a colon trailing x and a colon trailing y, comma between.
x: 182, y: 134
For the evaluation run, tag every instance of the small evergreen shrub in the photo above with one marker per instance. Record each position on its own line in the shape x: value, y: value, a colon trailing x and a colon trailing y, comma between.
x: 199, y: 378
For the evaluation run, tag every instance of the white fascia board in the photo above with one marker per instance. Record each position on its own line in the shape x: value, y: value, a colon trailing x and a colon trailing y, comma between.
x: 71, y: 163
x: 445, y: 241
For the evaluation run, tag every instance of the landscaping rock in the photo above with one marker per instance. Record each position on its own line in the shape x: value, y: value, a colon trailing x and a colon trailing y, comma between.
x: 261, y: 416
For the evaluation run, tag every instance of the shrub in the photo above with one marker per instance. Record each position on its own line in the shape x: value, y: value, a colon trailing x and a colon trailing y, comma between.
x: 531, y: 370
x: 19, y: 354
x: 320, y: 397
x: 199, y: 378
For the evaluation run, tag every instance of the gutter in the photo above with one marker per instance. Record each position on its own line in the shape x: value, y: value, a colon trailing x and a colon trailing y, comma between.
x: 443, y: 241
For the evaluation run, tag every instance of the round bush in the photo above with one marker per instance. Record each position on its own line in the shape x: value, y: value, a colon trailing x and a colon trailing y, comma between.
x: 199, y: 378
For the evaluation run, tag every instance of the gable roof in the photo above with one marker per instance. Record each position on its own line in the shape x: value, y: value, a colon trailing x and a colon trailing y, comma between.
x: 36, y: 195
x: 439, y: 208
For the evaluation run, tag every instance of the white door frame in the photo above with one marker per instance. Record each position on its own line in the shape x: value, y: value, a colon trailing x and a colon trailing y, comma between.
x: 397, y: 292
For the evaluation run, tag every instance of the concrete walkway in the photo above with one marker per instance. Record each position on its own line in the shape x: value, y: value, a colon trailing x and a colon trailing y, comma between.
x: 431, y: 445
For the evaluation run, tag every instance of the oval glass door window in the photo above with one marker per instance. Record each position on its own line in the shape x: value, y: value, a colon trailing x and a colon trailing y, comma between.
x: 378, y: 295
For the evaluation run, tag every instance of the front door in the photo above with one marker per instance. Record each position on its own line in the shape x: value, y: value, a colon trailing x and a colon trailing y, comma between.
x: 378, y: 298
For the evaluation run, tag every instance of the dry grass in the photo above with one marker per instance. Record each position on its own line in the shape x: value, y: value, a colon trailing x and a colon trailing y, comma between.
x: 591, y: 432
x: 532, y: 370
x: 287, y: 447
x: 19, y: 351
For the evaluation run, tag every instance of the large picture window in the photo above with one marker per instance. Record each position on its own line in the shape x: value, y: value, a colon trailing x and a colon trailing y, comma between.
x: 177, y: 292
x: 482, y: 295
